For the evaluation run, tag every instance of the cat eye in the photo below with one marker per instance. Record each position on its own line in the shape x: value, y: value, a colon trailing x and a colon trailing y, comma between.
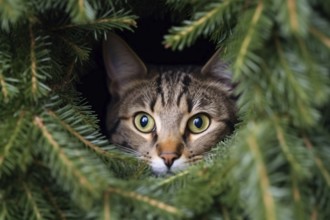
x: 198, y: 123
x: 144, y: 122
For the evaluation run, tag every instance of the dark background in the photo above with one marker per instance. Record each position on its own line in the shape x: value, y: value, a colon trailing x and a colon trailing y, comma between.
x: 146, y: 41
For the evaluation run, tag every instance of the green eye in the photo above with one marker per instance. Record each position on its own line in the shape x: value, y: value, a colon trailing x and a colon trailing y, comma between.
x: 198, y: 123
x: 144, y: 122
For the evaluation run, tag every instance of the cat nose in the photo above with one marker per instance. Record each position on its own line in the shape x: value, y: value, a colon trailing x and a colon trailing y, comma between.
x: 169, y: 158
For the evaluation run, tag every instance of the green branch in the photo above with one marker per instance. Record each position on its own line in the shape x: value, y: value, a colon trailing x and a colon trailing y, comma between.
x: 93, y: 147
x: 31, y: 200
x: 87, y: 143
x: 267, y: 197
x: 319, y: 163
x: 171, y: 179
x: 11, y: 11
x: 4, y: 90
x: 145, y: 199
x: 34, y: 79
x: 64, y: 159
x: 7, y: 88
x: 297, y: 94
x: 56, y: 207
x: 247, y: 39
x: 293, y: 15
x: 202, y: 23
x: 106, y: 206
x: 294, y: 164
x: 39, y: 59
x: 8, y: 149
x: 80, y: 11
x: 321, y: 36
x: 79, y: 51
x: 125, y: 21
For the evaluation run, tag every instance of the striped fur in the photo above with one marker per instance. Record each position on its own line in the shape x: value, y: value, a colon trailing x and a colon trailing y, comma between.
x: 171, y: 96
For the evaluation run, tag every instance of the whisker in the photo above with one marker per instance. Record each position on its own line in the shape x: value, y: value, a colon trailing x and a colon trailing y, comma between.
x: 128, y: 150
x: 195, y: 159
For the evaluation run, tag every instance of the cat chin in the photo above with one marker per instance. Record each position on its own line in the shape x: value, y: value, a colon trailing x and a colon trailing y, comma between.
x: 160, y: 169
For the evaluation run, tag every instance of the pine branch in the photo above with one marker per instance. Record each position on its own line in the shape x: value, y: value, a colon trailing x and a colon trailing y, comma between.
x: 147, y: 200
x: 300, y: 198
x: 67, y: 80
x: 60, y: 215
x: 62, y: 156
x: 79, y: 173
x: 267, y: 198
x: 323, y: 170
x: 14, y: 133
x: 171, y: 179
x: 321, y: 36
x: 257, y: 164
x: 74, y: 35
x: 35, y: 206
x: 321, y: 178
x: 102, y: 23
x: 80, y: 123
x: 318, y: 83
x: 106, y: 209
x: 6, y: 150
x: 8, y: 85
x: 79, y: 52
x: 10, y: 12
x: 202, y: 23
x: 80, y: 11
x: 39, y: 65
x: 98, y: 27
x: 85, y: 141
x: 298, y: 15
x: 8, y: 88
x: 296, y: 156
x: 4, y: 211
x: 297, y: 92
x: 33, y: 61
x: 318, y: 161
x: 247, y: 38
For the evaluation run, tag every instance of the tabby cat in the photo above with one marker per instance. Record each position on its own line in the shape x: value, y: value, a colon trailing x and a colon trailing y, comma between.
x: 169, y: 117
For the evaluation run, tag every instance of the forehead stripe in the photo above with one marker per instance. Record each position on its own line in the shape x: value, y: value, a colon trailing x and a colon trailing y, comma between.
x: 152, y: 104
x: 159, y: 88
x: 186, y: 82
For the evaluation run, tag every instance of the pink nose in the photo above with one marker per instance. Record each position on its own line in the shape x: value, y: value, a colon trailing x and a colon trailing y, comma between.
x: 169, y: 158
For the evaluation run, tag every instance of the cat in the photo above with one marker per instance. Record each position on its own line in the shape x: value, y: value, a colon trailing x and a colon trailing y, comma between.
x: 169, y: 117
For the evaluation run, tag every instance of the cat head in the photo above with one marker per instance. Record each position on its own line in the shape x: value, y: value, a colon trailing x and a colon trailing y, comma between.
x: 169, y: 117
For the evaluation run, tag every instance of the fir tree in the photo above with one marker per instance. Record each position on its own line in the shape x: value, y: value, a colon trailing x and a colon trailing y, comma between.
x: 55, y: 163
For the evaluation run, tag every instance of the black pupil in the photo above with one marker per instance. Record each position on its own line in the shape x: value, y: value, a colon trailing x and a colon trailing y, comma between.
x: 198, y: 122
x: 144, y: 121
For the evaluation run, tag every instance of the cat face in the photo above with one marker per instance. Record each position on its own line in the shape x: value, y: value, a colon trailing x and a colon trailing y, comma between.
x: 169, y: 116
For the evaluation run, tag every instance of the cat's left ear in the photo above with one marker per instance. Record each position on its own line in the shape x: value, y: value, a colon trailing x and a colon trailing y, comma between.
x: 219, y: 70
x: 122, y: 65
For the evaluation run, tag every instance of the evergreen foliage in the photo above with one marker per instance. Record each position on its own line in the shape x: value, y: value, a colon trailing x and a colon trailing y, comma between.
x: 55, y: 164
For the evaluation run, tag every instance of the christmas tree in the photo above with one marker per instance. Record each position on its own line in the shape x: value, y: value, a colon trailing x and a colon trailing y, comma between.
x: 56, y: 164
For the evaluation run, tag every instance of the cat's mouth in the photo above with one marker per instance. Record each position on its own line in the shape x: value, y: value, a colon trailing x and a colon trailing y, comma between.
x: 159, y: 168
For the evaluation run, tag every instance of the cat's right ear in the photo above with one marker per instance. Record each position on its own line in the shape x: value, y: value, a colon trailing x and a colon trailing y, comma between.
x: 122, y: 65
x: 218, y: 69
